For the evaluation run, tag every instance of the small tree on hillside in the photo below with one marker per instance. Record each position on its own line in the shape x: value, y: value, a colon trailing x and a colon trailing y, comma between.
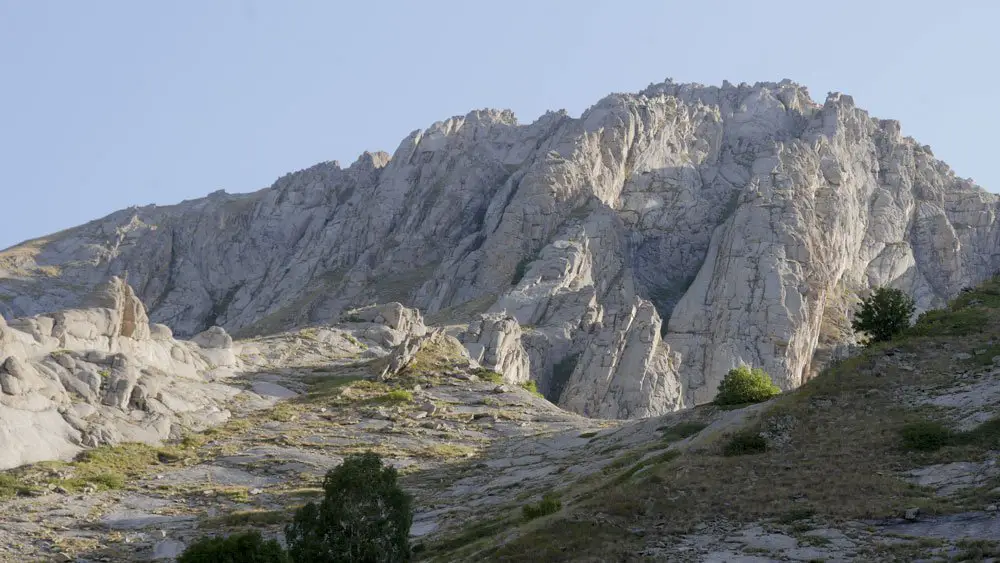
x: 884, y: 314
x: 364, y: 517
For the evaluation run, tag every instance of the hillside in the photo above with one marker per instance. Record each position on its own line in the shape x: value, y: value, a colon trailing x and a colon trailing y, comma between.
x: 638, y: 251
x: 887, y: 456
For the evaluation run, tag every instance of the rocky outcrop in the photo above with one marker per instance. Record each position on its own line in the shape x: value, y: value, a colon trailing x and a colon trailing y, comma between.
x: 216, y: 346
x: 645, y: 247
x: 390, y: 324
x: 92, y: 376
x: 401, y: 356
x: 494, y: 341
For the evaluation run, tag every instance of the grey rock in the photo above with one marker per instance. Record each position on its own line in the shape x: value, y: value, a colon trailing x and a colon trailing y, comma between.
x: 160, y: 332
x: 494, y: 341
x: 266, y: 389
x: 121, y: 382
x: 214, y: 337
x: 85, y: 383
x: 401, y: 320
x: 167, y: 549
x: 965, y: 526
x: 18, y: 377
x: 402, y: 355
x: 10, y: 384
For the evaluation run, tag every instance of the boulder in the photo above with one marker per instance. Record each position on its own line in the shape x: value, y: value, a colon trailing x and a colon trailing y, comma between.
x: 215, y: 337
x: 494, y: 340
x: 216, y: 347
x: 401, y: 356
x: 85, y: 383
x: 393, y: 315
x: 120, y: 382
x: 160, y: 332
x: 18, y: 377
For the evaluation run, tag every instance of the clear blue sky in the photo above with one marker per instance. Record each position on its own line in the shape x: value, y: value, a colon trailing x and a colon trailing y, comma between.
x: 111, y: 103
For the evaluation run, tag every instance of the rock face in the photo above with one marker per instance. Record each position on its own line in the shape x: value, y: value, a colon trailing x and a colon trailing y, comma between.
x: 86, y: 377
x: 645, y: 247
x: 494, y: 341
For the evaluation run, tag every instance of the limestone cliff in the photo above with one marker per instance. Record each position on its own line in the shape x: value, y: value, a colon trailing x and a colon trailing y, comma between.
x: 644, y: 248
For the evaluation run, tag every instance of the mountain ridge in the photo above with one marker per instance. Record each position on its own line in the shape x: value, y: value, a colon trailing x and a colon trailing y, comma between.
x: 643, y: 248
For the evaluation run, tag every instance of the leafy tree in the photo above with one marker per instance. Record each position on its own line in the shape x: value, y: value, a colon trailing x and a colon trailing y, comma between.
x: 241, y: 548
x: 884, y: 314
x: 743, y: 385
x: 364, y: 517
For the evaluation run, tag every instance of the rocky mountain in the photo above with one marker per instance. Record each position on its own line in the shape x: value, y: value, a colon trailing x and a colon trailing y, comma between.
x: 624, y: 260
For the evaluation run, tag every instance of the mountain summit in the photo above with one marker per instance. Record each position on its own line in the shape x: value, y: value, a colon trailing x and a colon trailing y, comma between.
x: 625, y: 260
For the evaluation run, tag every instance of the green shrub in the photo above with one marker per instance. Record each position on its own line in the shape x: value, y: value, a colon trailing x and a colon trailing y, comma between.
x: 397, y: 396
x: 550, y: 504
x: 249, y: 547
x: 926, y: 436
x: 743, y: 385
x: 365, y: 517
x: 745, y: 443
x: 884, y: 314
x: 11, y: 486
x: 488, y: 375
x: 795, y: 515
x: 951, y: 322
x: 532, y: 388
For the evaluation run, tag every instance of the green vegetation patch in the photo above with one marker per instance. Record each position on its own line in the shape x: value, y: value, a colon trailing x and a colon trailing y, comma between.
x: 550, y: 504
x: 930, y: 435
x: 248, y: 547
x: 488, y: 375
x: 926, y: 436
x: 746, y: 442
x: 743, y: 386
x: 396, y: 396
x: 532, y: 388
x: 11, y: 485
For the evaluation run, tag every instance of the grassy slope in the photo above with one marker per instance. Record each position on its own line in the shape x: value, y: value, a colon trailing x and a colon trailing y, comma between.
x: 838, y: 454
